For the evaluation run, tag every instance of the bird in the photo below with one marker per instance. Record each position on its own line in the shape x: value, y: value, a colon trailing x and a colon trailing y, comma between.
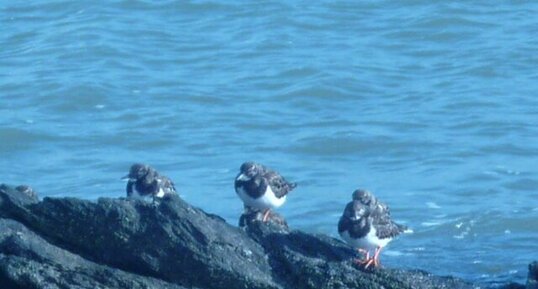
x: 144, y: 181
x: 366, y: 225
x: 261, y: 188
x: 27, y: 190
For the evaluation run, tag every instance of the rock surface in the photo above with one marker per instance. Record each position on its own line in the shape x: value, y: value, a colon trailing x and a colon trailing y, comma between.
x: 532, y: 281
x: 121, y: 243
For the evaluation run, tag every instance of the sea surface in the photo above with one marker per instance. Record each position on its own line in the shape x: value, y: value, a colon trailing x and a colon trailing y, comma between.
x: 431, y: 105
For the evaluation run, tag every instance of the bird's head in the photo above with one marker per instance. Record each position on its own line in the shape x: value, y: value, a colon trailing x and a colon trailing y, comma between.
x: 363, y: 196
x: 354, y: 211
x: 248, y: 171
x: 359, y: 211
x: 137, y: 171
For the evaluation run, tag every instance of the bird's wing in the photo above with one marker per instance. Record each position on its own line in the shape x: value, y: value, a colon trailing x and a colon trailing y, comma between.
x: 354, y: 220
x: 385, y: 227
x: 278, y: 184
x: 167, y: 185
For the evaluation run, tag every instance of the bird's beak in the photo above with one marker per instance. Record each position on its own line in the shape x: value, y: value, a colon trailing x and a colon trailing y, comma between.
x: 125, y: 178
x: 242, y: 177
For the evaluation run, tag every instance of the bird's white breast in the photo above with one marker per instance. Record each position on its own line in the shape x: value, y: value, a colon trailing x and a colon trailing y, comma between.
x: 368, y: 242
x: 160, y: 193
x: 135, y: 194
x: 267, y: 200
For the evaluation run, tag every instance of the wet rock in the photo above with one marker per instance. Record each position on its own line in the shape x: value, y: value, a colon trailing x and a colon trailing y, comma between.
x: 29, y: 261
x: 171, y: 240
x: 511, y: 285
x: 121, y: 243
x: 251, y: 216
x: 303, y: 260
x: 532, y: 280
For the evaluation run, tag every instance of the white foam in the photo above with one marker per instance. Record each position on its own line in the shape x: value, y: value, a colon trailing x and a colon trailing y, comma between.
x: 431, y: 224
x: 432, y: 205
x: 418, y: 249
x: 490, y: 173
x: 395, y: 253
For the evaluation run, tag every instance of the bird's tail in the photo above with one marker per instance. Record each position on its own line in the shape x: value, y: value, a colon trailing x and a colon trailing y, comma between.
x: 292, y: 185
x: 404, y: 229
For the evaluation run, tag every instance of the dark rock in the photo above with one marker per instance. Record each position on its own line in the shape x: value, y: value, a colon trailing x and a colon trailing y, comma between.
x: 28, y: 261
x: 532, y: 280
x: 511, y: 285
x: 13, y: 202
x: 304, y: 260
x: 251, y: 216
x: 121, y: 243
x: 171, y: 241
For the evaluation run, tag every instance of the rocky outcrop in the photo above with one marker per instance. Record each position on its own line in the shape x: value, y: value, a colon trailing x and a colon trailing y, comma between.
x: 532, y: 281
x: 29, y: 261
x: 122, y: 243
x: 170, y: 241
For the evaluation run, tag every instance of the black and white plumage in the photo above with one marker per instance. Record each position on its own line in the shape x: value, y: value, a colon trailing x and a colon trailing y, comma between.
x: 260, y: 187
x: 366, y: 224
x: 27, y: 190
x: 144, y: 181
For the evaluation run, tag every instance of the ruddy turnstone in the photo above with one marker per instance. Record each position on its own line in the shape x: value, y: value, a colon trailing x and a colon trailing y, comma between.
x: 144, y: 181
x: 366, y: 225
x: 261, y: 188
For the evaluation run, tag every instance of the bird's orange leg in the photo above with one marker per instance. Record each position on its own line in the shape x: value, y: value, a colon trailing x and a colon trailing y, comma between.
x: 376, y: 256
x: 367, y: 261
x: 266, y: 215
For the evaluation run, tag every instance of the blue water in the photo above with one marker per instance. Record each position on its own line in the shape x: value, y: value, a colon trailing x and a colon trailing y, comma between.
x: 430, y: 105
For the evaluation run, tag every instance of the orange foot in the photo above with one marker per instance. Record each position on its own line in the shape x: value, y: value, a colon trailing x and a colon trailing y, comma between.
x: 376, y: 256
x: 367, y: 261
x: 266, y: 215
